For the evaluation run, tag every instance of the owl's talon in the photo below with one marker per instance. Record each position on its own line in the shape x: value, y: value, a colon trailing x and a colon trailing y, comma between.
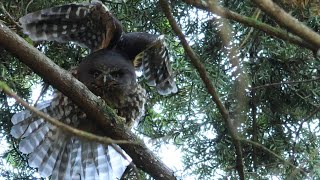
x: 122, y: 120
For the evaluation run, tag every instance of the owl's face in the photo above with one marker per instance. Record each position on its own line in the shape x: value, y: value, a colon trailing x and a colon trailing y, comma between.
x: 106, y: 72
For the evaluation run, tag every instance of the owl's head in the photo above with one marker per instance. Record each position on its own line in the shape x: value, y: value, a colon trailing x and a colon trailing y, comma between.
x: 107, y: 71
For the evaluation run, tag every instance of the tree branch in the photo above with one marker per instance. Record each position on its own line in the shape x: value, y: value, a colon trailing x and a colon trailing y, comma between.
x: 286, y: 82
x: 286, y: 20
x: 208, y: 84
x: 93, y: 106
x: 256, y: 14
x: 9, y: 15
x: 69, y: 129
x: 273, y: 154
x: 255, y: 130
x: 251, y: 22
x: 307, y: 119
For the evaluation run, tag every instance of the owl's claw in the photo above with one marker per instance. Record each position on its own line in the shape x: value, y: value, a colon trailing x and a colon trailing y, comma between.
x: 121, y: 120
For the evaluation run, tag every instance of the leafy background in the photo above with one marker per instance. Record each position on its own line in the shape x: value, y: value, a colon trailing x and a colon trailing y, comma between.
x: 283, y: 118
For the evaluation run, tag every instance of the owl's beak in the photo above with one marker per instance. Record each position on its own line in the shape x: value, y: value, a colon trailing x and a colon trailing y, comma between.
x: 104, y: 79
x: 107, y: 78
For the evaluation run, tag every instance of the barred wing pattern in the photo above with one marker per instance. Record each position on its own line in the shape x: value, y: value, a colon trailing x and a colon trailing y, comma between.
x: 88, y: 24
x: 59, y: 154
x: 156, y: 67
x: 93, y: 26
x: 151, y: 56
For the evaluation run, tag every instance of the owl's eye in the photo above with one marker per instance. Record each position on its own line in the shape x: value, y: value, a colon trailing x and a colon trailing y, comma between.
x: 95, y: 73
x: 116, y: 74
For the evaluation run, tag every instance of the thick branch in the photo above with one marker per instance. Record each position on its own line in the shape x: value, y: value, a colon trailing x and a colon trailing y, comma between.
x: 251, y: 22
x: 93, y: 106
x: 289, y: 22
x: 208, y: 84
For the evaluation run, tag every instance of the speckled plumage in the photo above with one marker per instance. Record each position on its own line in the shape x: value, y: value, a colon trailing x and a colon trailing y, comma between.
x: 109, y: 75
x: 93, y: 26
x: 120, y: 90
x: 109, y: 72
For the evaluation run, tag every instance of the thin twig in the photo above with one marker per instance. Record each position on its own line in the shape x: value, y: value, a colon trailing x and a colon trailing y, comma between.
x: 286, y: 82
x: 274, y: 154
x: 9, y: 15
x: 253, y: 106
x: 247, y: 37
x: 26, y: 10
x: 276, y: 32
x: 65, y: 127
x: 290, y: 23
x: 69, y: 129
x: 307, y: 119
x: 208, y: 84
x: 301, y: 125
x: 44, y: 89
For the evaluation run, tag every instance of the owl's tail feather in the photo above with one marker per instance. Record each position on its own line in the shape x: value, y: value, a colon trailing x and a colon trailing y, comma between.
x: 61, y: 155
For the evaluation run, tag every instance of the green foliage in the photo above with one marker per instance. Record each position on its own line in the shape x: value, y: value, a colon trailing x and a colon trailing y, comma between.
x: 284, y: 118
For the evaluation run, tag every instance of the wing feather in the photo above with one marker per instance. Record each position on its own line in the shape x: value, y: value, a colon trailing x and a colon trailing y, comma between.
x: 88, y: 24
x: 150, y: 54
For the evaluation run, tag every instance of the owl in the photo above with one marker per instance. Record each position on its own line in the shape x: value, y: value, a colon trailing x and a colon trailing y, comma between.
x: 108, y: 74
x: 108, y: 71
x: 93, y: 26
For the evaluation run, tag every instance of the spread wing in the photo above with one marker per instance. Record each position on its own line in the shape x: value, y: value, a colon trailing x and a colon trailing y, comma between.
x: 88, y: 24
x: 150, y: 54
